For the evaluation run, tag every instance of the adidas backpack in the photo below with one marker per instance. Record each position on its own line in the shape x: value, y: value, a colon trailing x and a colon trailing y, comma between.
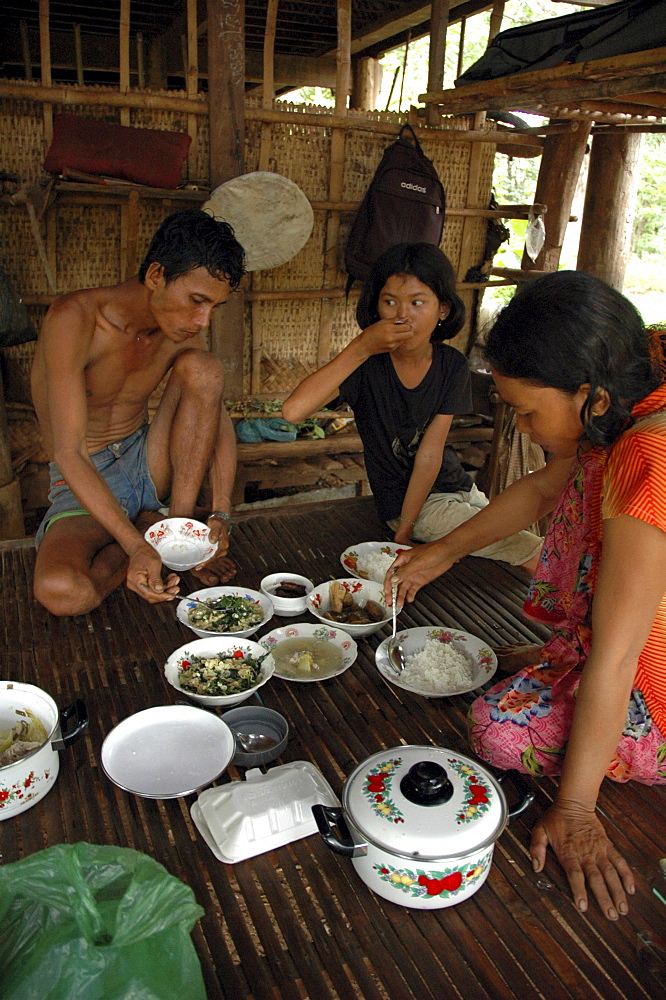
x: 405, y: 203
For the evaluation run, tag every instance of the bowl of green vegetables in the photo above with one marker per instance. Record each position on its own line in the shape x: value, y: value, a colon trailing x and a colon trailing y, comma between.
x: 219, y: 671
x: 233, y: 611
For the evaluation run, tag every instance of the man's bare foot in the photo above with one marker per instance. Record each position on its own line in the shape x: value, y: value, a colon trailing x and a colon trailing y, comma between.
x: 218, y: 570
x: 512, y: 658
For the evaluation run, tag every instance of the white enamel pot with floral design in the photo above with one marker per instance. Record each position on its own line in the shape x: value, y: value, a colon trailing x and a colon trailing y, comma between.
x: 420, y: 824
x: 26, y: 781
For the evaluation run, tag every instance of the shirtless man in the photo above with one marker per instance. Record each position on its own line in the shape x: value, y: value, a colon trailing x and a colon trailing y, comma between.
x: 100, y: 354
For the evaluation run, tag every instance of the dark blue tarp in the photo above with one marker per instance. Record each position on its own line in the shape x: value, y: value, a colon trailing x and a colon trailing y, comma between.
x: 628, y: 26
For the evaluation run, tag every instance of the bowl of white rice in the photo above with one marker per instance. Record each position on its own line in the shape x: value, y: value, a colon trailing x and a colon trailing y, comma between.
x: 439, y: 662
x: 371, y: 560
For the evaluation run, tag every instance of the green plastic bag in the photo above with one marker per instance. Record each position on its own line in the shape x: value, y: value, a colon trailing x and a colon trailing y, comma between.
x: 86, y: 922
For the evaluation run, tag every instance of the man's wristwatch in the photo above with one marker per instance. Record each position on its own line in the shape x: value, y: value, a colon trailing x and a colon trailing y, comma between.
x: 223, y: 516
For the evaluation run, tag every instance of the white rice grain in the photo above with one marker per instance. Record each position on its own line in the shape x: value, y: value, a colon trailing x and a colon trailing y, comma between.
x: 374, y: 565
x: 438, y: 667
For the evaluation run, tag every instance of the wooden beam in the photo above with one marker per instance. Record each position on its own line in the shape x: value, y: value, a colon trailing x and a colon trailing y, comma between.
x: 226, y: 85
x: 78, y: 54
x: 496, y: 16
x: 140, y: 61
x: 610, y: 201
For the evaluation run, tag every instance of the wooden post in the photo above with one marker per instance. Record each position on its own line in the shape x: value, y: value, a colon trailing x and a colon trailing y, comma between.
x: 366, y: 81
x: 610, y: 201
x: 561, y: 161
x: 467, y: 258
x: 335, y: 184
x: 124, y: 41
x: 461, y: 47
x: 192, y: 79
x: 45, y: 67
x: 226, y: 86
x: 11, y: 511
x: 25, y: 49
x: 140, y: 61
x: 267, y: 95
x: 155, y: 62
x: 439, y: 19
x: 496, y: 16
x: 78, y: 54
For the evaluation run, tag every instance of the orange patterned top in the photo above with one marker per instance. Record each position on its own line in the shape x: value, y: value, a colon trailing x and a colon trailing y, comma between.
x: 634, y: 482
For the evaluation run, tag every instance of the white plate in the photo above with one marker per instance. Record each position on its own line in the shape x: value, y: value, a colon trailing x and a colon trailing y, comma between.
x: 167, y: 751
x: 209, y: 593
x: 413, y: 640
x: 350, y: 556
x: 335, y: 635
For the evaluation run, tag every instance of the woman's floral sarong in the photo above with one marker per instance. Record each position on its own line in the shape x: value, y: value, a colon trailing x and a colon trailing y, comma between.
x: 524, y: 721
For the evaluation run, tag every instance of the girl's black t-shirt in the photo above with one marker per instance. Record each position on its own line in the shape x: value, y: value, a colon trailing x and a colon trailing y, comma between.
x: 392, y: 419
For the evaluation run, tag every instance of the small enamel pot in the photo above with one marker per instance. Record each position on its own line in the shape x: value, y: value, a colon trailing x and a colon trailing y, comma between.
x: 420, y: 824
x: 24, y: 782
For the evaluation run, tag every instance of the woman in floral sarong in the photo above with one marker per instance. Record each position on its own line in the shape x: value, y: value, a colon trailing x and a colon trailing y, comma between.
x: 571, y: 355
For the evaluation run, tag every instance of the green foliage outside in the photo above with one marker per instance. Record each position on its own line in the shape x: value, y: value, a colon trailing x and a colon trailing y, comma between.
x: 514, y: 179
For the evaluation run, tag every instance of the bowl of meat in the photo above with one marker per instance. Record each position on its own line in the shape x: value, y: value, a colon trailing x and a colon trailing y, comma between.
x: 356, y: 606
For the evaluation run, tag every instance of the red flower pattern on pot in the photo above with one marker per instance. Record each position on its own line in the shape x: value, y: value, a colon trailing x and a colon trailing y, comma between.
x: 476, y: 793
x: 376, y: 789
x: 434, y: 884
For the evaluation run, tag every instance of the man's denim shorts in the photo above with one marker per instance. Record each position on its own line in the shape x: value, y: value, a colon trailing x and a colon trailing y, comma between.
x: 124, y: 467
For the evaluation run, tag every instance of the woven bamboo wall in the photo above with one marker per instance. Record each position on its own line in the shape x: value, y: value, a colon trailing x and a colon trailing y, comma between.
x: 85, y: 242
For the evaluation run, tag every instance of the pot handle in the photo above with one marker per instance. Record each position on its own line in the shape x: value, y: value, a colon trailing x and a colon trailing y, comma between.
x: 80, y: 712
x: 327, y: 818
x: 526, y: 790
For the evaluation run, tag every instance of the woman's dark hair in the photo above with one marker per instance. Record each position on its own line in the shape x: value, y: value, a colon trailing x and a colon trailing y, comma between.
x: 568, y: 328
x: 425, y: 262
x: 191, y: 239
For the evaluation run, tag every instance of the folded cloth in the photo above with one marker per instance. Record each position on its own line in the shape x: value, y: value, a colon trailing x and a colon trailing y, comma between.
x: 255, y: 429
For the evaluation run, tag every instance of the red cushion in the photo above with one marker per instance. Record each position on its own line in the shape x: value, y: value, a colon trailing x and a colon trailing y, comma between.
x: 143, y: 155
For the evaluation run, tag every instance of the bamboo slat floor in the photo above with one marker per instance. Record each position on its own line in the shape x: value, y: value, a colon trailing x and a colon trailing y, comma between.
x: 297, y: 923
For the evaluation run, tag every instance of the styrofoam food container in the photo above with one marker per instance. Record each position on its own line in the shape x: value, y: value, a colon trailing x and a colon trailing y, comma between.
x: 286, y: 607
x: 181, y: 542
x: 245, y: 818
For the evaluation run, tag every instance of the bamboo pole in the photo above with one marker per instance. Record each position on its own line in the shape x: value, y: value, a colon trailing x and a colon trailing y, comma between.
x: 336, y: 178
x: 192, y: 77
x: 467, y: 257
x: 124, y: 43
x: 45, y: 67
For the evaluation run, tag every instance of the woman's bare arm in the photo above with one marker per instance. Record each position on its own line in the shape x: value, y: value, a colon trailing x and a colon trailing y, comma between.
x: 630, y: 586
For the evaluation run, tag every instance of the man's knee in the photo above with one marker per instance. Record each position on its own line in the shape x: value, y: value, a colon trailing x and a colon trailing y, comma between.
x: 201, y: 372
x: 66, y: 591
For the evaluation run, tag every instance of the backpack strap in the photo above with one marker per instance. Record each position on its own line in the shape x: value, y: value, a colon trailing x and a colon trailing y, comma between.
x: 404, y: 128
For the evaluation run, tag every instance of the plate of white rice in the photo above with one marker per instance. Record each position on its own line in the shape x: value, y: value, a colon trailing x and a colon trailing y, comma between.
x: 371, y: 560
x: 439, y: 662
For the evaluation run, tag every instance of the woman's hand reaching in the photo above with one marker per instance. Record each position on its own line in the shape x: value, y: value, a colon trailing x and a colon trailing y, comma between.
x: 413, y: 569
x: 589, y: 859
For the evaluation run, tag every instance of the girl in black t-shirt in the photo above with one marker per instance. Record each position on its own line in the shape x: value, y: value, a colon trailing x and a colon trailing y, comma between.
x: 404, y: 385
